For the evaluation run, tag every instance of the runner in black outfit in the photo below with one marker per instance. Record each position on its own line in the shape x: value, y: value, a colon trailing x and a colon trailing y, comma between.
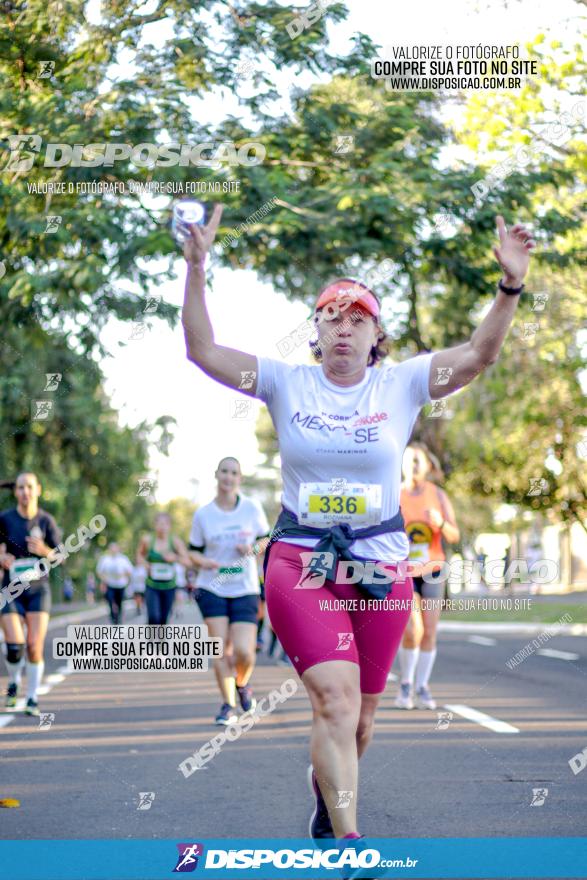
x: 27, y: 534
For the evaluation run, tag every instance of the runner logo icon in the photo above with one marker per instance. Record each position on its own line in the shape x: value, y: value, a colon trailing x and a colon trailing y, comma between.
x: 344, y: 799
x: 53, y: 380
x: 344, y: 641
x: 146, y: 799
x: 21, y: 159
x: 338, y: 485
x: 316, y: 567
x: 444, y: 719
x: 539, y: 795
x: 187, y: 859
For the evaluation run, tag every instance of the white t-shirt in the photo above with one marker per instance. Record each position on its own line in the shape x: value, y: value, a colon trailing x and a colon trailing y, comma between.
x: 358, y: 433
x: 180, y: 575
x: 219, y: 531
x: 138, y: 579
x: 115, y: 571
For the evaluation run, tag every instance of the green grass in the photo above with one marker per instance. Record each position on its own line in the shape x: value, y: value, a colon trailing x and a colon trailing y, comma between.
x: 538, y: 611
x: 62, y: 611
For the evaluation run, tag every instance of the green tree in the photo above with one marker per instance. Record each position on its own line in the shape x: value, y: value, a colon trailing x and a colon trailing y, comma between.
x: 181, y: 512
x: 530, y: 408
x: 393, y: 197
x: 265, y: 484
x: 59, y: 424
x: 128, y: 80
x: 73, y: 256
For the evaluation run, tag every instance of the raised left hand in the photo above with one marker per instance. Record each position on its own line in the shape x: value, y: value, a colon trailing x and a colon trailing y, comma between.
x: 513, y: 253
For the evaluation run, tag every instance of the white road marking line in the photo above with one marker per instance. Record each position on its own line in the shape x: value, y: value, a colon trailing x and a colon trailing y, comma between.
x: 482, y: 640
x: 481, y: 718
x: 20, y: 704
x: 53, y: 679
x: 50, y: 681
x: 558, y: 655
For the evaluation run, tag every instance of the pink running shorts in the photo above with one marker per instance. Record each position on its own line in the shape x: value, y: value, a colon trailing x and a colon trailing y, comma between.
x: 314, y: 628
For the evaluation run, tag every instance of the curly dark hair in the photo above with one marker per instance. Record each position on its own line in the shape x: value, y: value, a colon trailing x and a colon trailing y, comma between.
x: 378, y: 352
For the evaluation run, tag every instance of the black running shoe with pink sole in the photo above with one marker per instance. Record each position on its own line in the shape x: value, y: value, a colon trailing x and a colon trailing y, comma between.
x: 359, y: 844
x: 320, y: 824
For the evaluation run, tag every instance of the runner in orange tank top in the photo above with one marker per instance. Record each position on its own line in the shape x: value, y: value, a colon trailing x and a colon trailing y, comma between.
x: 428, y: 517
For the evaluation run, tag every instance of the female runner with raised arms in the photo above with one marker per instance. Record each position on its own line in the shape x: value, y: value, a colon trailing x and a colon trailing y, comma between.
x: 343, y: 426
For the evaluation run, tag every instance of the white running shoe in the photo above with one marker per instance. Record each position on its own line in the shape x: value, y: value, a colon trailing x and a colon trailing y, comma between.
x: 404, y: 697
x: 424, y: 698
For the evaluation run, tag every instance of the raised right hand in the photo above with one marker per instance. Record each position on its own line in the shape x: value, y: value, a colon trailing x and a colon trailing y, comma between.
x: 196, y: 247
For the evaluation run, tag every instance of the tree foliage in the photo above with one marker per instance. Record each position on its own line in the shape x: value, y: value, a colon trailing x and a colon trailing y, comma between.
x: 402, y: 193
x: 86, y: 462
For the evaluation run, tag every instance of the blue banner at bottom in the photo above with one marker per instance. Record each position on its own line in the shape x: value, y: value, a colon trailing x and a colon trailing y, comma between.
x: 274, y: 859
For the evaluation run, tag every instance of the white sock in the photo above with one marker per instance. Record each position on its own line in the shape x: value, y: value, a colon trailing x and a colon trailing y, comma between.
x: 425, y: 664
x: 34, y: 674
x: 14, y: 671
x: 408, y: 657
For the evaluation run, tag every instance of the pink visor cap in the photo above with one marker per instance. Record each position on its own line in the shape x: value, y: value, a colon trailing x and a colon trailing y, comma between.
x: 346, y: 290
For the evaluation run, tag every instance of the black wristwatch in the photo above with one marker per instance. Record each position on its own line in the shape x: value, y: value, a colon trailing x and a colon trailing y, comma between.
x: 511, y: 291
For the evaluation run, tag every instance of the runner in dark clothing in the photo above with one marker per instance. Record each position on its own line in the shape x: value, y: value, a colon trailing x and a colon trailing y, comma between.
x: 27, y: 536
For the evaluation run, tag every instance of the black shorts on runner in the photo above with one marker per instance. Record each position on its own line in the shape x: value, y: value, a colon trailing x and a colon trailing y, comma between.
x: 262, y: 588
x: 242, y: 609
x: 37, y: 599
x: 429, y: 589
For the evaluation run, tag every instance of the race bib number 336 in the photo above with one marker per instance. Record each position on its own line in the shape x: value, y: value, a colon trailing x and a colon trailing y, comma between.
x: 337, y: 504
x: 358, y: 504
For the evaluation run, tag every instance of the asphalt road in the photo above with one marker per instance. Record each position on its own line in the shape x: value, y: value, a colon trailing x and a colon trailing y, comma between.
x: 116, y: 735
